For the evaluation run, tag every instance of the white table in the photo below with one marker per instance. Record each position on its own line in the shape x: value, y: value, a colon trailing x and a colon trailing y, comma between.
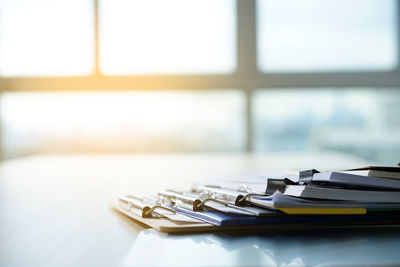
x: 57, y: 210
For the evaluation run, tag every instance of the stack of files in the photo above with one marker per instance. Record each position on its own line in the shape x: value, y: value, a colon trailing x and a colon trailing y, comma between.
x: 310, y: 199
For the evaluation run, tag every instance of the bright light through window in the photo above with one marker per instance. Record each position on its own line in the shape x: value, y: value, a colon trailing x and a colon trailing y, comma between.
x: 140, y: 121
x: 46, y: 37
x: 326, y: 35
x: 167, y: 37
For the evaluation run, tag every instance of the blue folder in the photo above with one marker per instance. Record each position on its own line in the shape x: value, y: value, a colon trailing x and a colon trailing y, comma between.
x: 224, y: 219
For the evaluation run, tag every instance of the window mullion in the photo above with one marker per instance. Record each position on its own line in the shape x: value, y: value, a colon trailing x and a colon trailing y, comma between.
x: 246, y: 38
x: 398, y: 35
x: 247, y: 59
x: 96, y: 37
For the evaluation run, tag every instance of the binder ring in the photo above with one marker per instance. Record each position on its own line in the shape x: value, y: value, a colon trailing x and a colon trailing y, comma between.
x: 198, y: 205
x: 147, y: 212
x: 241, y: 200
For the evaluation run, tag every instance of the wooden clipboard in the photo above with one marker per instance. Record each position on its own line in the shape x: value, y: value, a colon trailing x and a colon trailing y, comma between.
x: 168, y: 226
x: 165, y: 225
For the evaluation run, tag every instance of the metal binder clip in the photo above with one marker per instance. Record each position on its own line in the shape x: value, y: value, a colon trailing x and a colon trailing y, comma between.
x: 201, y: 206
x: 177, y: 198
x: 277, y: 185
x: 147, y: 210
x: 233, y: 196
x: 306, y: 176
x: 189, y: 202
x: 228, y: 195
x: 242, y: 201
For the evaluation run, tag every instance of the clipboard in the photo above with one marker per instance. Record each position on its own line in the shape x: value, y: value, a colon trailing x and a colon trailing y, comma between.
x: 163, y: 224
x: 168, y: 226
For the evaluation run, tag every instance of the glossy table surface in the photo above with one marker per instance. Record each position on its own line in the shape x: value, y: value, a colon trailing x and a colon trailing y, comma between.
x: 335, y: 247
x: 57, y: 210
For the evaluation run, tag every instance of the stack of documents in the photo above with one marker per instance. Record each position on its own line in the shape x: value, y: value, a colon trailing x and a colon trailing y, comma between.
x: 363, y: 196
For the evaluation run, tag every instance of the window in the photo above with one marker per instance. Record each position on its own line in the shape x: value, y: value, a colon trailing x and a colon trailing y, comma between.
x: 159, y: 37
x: 325, y: 35
x: 363, y: 122
x: 120, y: 121
x: 46, y: 37
x: 277, y: 54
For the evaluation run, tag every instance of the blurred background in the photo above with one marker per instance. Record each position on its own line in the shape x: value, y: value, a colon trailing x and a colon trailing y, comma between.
x: 157, y: 76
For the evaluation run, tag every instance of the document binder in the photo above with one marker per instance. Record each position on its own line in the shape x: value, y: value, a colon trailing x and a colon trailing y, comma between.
x: 153, y: 210
x: 311, y: 199
x: 174, y: 198
x: 348, y: 180
x: 165, y: 225
x: 238, y: 198
x: 169, y: 226
x: 292, y: 205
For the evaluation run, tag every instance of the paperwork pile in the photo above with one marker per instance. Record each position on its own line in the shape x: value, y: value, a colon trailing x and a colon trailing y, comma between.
x: 364, y: 196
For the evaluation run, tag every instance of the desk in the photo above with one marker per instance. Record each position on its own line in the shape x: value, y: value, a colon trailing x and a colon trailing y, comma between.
x: 57, y: 210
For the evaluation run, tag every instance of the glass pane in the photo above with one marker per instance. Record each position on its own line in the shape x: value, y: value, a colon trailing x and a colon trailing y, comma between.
x: 167, y: 37
x: 140, y: 121
x: 360, y: 122
x: 326, y: 35
x: 46, y: 37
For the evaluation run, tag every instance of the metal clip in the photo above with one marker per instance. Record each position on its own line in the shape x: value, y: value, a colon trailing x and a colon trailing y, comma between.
x: 147, y: 210
x: 229, y: 195
x: 242, y: 201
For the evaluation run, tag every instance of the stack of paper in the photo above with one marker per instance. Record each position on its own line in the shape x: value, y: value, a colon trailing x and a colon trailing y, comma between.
x: 350, y: 197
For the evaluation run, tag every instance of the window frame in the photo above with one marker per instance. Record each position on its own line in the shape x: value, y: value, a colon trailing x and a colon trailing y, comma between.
x: 247, y: 76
